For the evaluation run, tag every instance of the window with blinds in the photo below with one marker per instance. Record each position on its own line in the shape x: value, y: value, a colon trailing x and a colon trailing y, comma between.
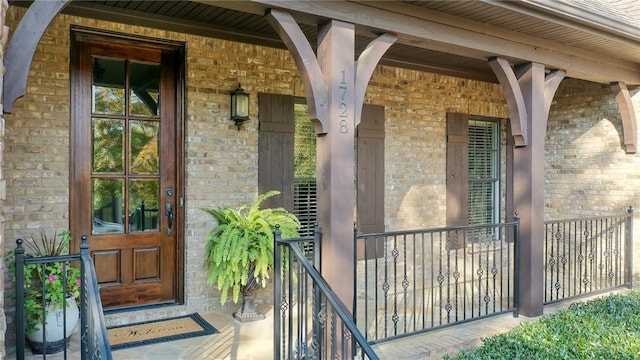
x: 484, y: 172
x: 370, y: 169
x: 304, y: 169
x: 305, y: 204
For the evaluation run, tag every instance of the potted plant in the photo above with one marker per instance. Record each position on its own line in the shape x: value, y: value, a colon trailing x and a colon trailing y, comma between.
x: 47, y: 296
x: 239, y: 250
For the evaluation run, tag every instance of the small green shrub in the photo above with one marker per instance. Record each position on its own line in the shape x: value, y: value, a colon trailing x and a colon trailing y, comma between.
x: 604, y: 328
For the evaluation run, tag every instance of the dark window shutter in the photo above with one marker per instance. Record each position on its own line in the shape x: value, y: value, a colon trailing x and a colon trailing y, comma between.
x: 457, y: 170
x: 370, y: 175
x: 275, y: 148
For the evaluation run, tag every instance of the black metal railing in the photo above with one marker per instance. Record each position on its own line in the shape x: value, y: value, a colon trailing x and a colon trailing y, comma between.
x: 141, y: 219
x: 587, y: 256
x: 313, y: 322
x: 409, y: 282
x: 94, y: 342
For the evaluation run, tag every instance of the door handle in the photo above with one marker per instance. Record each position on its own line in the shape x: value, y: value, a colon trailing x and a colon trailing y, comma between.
x: 169, y: 208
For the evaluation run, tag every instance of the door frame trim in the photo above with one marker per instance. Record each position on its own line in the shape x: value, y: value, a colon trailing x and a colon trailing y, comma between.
x: 80, y: 34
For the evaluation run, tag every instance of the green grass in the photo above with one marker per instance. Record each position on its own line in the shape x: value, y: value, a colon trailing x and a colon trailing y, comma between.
x: 604, y: 328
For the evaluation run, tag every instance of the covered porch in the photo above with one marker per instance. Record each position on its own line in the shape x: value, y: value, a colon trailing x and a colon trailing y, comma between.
x: 390, y: 79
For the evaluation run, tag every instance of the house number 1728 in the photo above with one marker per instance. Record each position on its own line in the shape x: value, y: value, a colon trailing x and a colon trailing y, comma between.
x: 343, y: 124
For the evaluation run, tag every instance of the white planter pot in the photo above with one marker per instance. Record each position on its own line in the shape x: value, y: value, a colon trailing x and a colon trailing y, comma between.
x: 56, y: 336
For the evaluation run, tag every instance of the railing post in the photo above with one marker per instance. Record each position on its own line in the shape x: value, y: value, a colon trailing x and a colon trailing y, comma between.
x: 355, y: 270
x: 355, y: 283
x: 142, y: 216
x: 84, y: 307
x: 19, y: 262
x: 516, y: 258
x: 277, y: 295
x: 316, y: 305
x: 317, y: 240
x: 629, y: 247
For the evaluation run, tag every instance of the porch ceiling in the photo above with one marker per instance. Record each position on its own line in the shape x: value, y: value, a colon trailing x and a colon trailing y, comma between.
x: 569, y: 34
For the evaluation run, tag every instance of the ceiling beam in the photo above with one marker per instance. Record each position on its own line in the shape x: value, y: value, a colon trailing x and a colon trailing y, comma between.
x: 418, y: 29
x: 466, y: 73
x: 244, y: 6
x: 257, y: 8
x: 493, y: 31
x: 139, y: 18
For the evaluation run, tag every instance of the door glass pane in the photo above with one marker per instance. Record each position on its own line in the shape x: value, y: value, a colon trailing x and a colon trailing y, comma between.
x: 143, y: 204
x: 144, y: 147
x: 145, y: 89
x: 108, y: 86
x: 108, y: 146
x: 108, y: 206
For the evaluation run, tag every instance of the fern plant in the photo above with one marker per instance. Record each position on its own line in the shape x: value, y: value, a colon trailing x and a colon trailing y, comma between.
x: 243, y: 241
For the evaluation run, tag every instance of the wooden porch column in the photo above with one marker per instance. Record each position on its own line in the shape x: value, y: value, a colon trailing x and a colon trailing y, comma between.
x: 529, y: 92
x: 336, y: 158
x: 334, y: 86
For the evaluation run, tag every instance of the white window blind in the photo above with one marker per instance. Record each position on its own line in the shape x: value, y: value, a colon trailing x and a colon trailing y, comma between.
x: 484, y: 171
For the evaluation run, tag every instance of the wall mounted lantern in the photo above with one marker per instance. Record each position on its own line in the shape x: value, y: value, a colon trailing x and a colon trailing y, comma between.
x: 239, y: 106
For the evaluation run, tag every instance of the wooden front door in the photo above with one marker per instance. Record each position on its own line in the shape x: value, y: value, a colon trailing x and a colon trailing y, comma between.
x: 125, y: 178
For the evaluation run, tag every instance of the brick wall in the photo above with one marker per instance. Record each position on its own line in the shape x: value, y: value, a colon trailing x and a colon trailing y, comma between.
x: 416, y: 106
x: 587, y: 171
x: 36, y: 159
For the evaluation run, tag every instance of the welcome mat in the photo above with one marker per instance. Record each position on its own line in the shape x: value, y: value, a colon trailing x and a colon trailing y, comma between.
x: 152, y: 332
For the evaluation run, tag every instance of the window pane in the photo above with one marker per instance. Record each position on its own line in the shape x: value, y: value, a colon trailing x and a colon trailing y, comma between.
x: 144, y: 147
x: 145, y: 89
x: 108, y: 86
x: 483, y: 172
x: 304, y: 165
x: 108, y: 146
x: 108, y: 206
x: 143, y: 204
x: 304, y: 162
x: 305, y: 200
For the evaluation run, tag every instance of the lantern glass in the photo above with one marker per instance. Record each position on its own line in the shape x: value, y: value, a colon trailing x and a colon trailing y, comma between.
x: 239, y: 105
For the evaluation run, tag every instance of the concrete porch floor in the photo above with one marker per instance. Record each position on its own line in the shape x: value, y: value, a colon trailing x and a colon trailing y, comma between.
x: 253, y: 340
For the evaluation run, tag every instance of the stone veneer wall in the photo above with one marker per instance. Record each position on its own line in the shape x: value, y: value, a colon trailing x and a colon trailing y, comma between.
x: 221, y: 162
